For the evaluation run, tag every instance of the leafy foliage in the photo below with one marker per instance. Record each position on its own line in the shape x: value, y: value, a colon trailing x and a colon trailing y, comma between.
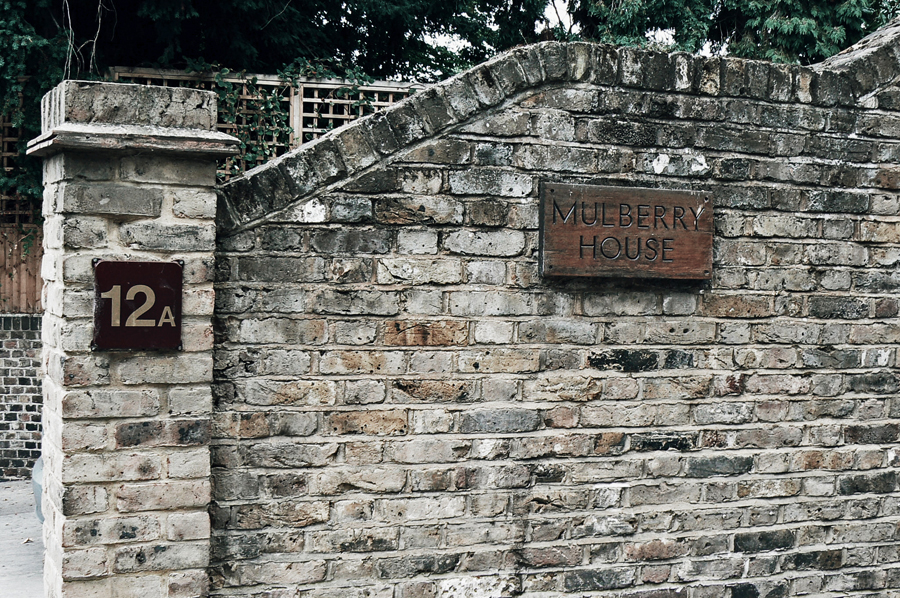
x: 41, y: 41
x: 796, y: 31
x: 385, y: 38
x: 31, y: 62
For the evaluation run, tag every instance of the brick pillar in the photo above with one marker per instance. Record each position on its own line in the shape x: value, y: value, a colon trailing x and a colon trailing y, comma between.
x: 129, y: 174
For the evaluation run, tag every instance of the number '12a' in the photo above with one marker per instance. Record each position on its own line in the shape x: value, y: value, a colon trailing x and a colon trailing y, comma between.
x: 115, y: 294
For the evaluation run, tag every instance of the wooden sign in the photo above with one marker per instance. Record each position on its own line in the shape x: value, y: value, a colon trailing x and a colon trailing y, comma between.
x: 137, y: 305
x: 594, y: 231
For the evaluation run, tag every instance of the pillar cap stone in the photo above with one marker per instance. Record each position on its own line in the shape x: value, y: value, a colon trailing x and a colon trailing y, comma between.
x: 98, y: 116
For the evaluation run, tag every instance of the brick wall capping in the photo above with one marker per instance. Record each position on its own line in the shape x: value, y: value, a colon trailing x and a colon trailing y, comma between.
x: 871, y: 64
x: 97, y: 137
x: 128, y: 104
x: 350, y: 151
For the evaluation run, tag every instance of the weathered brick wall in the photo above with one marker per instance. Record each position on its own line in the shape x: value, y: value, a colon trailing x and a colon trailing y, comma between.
x: 20, y: 394
x: 405, y: 408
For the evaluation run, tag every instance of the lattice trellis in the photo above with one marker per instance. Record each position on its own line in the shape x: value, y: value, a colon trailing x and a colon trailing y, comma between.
x: 311, y: 107
x: 13, y: 210
x: 322, y: 109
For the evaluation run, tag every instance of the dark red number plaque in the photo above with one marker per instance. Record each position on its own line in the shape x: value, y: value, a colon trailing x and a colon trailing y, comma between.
x: 137, y: 305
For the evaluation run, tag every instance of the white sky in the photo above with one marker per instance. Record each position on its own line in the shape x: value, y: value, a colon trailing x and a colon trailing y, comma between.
x: 558, y: 7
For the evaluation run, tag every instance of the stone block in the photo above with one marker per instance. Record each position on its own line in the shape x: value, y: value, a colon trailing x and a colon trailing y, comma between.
x: 480, y: 303
x: 187, y: 432
x: 499, y: 421
x: 418, y: 209
x: 185, y: 401
x: 83, y: 564
x: 351, y: 241
x: 493, y: 332
x: 433, y: 105
x: 362, y: 362
x: 485, y: 272
x: 407, y: 124
x: 168, y: 237
x: 163, y: 495
x: 187, y: 526
x: 110, y: 403
x: 189, y: 464
x: 382, y: 303
x: 161, y: 557
x: 368, y: 422
x: 582, y: 580
x: 490, y: 182
x: 193, y: 203
x: 111, y: 200
x: 168, y: 170
x: 84, y: 500
x: 127, y: 104
x: 441, y: 151
x: 435, y: 333
x: 355, y: 147
x: 111, y: 467
x: 111, y: 530
x: 181, y: 369
x: 187, y: 584
x: 430, y: 362
x: 417, y: 242
x: 419, y: 271
x: 281, y: 331
x: 79, y: 233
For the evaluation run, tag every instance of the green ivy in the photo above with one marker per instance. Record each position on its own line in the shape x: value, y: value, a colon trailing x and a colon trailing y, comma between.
x: 331, y: 69
x: 262, y: 122
x: 30, y: 65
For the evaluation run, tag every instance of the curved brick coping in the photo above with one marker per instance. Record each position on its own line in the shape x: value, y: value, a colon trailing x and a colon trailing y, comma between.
x: 867, y: 66
x: 354, y: 148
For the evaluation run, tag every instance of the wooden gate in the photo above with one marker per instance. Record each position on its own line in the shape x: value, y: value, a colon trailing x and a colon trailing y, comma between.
x: 20, y: 269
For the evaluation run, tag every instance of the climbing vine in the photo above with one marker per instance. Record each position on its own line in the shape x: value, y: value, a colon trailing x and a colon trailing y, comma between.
x: 30, y: 64
x: 355, y: 78
x: 258, y: 114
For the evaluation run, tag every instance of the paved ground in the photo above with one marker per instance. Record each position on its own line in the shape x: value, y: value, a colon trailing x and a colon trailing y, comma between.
x: 21, y: 560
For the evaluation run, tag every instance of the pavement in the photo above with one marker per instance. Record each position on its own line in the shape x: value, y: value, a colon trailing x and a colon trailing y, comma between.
x: 21, y: 546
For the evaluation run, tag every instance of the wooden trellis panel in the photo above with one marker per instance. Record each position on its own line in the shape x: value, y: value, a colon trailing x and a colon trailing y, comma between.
x: 318, y: 107
x: 20, y: 269
x: 20, y: 238
x: 9, y: 139
x: 313, y: 106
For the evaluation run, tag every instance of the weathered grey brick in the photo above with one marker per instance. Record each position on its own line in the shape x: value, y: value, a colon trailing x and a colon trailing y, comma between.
x: 499, y: 420
x: 111, y: 200
x: 486, y: 243
x: 490, y: 182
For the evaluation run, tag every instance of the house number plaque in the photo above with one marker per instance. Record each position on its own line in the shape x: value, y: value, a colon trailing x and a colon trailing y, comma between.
x: 137, y: 305
x: 594, y: 231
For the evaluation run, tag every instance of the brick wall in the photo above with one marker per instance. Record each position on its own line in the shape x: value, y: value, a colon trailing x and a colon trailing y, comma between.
x: 20, y: 394
x: 406, y: 408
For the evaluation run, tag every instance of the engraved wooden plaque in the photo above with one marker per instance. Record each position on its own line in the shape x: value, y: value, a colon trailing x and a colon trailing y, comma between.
x: 594, y: 231
x: 137, y: 305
